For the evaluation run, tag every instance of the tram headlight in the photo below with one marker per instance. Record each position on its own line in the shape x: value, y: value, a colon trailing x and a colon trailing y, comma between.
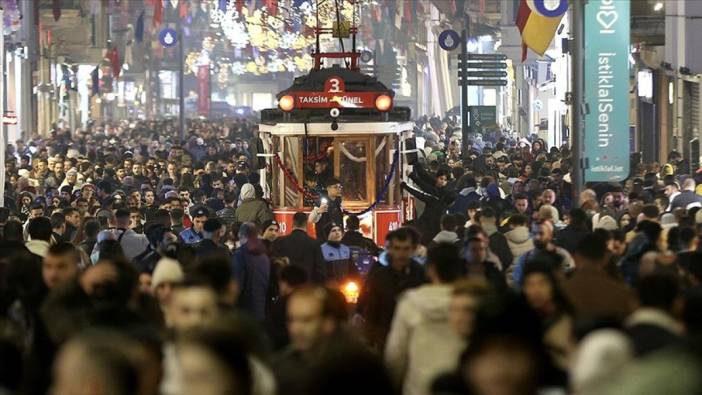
x: 383, y: 103
x: 286, y: 103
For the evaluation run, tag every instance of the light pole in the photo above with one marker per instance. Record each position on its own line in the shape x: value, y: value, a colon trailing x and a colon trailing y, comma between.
x: 181, y: 83
x: 463, y: 63
x: 577, y: 177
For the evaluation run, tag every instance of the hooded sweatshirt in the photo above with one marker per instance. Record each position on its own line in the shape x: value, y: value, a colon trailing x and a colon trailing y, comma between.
x: 251, y: 209
x: 519, y: 241
x: 412, y: 354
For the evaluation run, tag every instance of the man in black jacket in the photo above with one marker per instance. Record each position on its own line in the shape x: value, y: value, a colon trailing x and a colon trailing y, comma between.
x: 577, y: 229
x: 211, y: 244
x: 354, y: 238
x: 436, y: 198
x: 328, y: 210
x: 687, y: 197
x: 160, y: 238
x: 302, y: 250
x: 384, y: 284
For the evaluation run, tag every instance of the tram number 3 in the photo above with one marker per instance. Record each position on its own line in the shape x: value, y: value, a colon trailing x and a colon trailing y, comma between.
x: 334, y: 85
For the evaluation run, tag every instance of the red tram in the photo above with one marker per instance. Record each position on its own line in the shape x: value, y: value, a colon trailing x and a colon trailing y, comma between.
x: 347, y: 119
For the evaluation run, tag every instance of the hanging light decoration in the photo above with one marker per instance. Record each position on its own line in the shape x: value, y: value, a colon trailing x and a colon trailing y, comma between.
x: 278, y: 41
x: 238, y: 68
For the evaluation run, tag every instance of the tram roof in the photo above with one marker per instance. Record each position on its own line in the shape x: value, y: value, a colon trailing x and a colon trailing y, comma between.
x: 355, y: 82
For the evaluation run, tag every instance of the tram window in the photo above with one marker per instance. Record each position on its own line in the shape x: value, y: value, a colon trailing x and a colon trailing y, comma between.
x: 291, y: 159
x: 382, y: 167
x: 352, y: 170
x: 319, y: 166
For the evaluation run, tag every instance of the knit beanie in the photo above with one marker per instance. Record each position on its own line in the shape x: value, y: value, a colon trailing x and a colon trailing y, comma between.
x: 166, y: 270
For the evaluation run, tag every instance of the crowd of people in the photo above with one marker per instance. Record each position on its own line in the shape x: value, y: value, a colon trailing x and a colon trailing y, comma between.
x: 135, y: 263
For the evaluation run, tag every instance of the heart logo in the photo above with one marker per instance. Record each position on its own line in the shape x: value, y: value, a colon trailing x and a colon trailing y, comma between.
x: 607, y: 19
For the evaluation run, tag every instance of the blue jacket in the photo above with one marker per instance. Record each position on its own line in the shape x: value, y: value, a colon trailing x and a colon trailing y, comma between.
x: 189, y: 236
x: 338, y: 260
x: 460, y: 205
x: 252, y: 269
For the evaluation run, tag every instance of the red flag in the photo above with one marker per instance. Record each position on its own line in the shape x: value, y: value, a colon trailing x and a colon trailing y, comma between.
x: 407, y: 9
x: 239, y: 6
x: 158, y: 12
x: 113, y: 56
x: 57, y: 10
x: 183, y: 9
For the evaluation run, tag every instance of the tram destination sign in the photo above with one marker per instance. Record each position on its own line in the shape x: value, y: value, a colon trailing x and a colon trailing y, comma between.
x: 335, y: 96
x: 335, y: 100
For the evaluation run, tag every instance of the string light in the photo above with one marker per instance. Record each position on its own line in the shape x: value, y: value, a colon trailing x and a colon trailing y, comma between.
x: 279, y: 42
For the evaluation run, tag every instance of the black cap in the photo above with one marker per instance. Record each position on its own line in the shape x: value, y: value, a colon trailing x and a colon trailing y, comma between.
x: 330, y: 226
x: 268, y: 223
x: 200, y: 212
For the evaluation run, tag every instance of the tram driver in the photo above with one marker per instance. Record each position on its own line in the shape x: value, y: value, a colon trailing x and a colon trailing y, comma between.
x: 327, y: 209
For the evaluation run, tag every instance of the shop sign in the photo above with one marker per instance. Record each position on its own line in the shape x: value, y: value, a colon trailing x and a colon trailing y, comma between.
x: 607, y: 90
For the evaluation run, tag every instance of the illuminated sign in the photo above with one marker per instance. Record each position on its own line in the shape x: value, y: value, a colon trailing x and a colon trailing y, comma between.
x: 335, y: 96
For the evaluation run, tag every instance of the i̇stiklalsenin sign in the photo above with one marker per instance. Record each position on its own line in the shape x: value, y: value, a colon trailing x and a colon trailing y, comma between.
x: 607, y: 89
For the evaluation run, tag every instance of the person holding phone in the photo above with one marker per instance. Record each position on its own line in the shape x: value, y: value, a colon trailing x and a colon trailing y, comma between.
x: 328, y: 209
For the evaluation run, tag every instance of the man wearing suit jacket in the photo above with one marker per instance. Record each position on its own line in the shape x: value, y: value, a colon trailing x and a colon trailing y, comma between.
x: 302, y: 250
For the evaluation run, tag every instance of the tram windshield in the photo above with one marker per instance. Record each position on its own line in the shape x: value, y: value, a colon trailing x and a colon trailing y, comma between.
x: 360, y: 163
x: 353, y: 169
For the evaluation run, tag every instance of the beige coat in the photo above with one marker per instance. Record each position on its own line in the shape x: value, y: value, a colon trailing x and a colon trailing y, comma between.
x: 421, y: 344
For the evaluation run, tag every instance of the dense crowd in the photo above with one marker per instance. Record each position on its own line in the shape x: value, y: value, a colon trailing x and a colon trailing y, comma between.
x: 135, y: 263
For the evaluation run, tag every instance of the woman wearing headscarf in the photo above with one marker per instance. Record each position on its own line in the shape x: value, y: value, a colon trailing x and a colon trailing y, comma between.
x: 250, y: 208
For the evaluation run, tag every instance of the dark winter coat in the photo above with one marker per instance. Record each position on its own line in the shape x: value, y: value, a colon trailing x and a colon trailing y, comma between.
x: 251, y: 269
x: 569, y: 238
x: 302, y: 251
x: 383, y: 286
x: 465, y: 196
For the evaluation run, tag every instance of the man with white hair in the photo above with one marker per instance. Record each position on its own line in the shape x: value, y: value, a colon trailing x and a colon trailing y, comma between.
x: 687, y: 198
